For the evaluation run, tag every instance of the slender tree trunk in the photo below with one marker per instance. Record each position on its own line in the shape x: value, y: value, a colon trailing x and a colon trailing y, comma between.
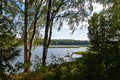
x: 32, y: 39
x: 47, y: 27
x: 34, y: 32
x: 50, y: 33
x: 25, y: 37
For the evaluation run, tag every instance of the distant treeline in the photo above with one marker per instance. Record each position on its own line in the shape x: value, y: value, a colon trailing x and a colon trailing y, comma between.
x: 69, y: 42
x: 61, y: 42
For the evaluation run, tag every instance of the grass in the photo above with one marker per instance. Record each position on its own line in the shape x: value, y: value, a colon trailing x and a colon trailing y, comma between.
x: 19, y: 76
x: 80, y: 52
x: 83, y: 52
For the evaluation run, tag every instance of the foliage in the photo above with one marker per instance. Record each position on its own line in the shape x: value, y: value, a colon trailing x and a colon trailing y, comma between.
x: 101, y: 62
x: 104, y: 39
x: 64, y: 71
x: 8, y: 46
x: 70, y: 11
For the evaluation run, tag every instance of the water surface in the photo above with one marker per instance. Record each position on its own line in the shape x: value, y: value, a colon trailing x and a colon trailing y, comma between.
x: 59, y: 52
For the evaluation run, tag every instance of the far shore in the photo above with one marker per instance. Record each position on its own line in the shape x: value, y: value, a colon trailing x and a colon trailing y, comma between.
x: 67, y: 46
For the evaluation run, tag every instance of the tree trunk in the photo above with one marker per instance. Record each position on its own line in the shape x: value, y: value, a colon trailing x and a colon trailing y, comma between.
x: 47, y: 27
x: 50, y: 33
x: 32, y: 39
x: 48, y: 30
x: 25, y: 37
x: 34, y: 32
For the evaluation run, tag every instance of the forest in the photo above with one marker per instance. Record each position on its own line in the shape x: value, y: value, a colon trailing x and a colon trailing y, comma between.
x: 69, y: 42
x: 26, y: 18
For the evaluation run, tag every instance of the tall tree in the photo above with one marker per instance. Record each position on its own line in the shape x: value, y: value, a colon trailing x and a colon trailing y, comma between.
x: 27, y: 16
x: 32, y: 11
x: 71, y: 11
x: 8, y: 44
x: 32, y: 20
x: 37, y: 16
x: 104, y: 39
x: 26, y: 36
x: 46, y: 40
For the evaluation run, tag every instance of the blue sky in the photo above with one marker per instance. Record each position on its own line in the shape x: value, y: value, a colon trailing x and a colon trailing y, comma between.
x: 79, y: 34
x: 65, y: 33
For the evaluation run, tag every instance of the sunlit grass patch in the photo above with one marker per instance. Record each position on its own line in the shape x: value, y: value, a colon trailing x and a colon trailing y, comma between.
x: 80, y: 52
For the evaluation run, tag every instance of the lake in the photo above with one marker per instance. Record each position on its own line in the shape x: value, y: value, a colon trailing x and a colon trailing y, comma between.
x: 58, y: 52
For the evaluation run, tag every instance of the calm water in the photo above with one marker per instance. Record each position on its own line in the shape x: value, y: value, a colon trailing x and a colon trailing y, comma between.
x: 59, y: 52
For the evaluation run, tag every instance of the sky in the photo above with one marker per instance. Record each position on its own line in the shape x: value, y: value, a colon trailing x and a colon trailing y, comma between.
x: 66, y: 33
x: 79, y: 34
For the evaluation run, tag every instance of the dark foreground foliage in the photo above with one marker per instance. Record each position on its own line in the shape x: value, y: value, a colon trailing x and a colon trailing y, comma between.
x: 89, y: 67
x: 8, y: 47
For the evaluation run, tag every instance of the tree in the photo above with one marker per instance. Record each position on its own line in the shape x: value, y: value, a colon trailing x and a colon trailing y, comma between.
x: 35, y: 8
x: 32, y: 13
x: 71, y: 11
x: 8, y: 46
x: 104, y: 39
x: 37, y: 17
x: 12, y: 8
x: 26, y: 36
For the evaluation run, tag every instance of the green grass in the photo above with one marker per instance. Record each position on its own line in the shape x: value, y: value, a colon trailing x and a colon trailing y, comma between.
x: 83, y: 52
x: 80, y: 52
